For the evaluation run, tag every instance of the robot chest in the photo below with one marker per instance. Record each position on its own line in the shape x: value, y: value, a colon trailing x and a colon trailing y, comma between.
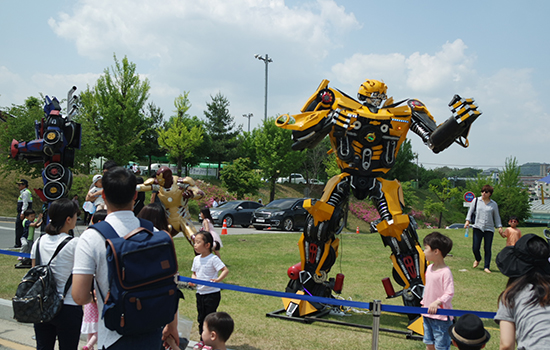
x: 370, y: 145
x: 170, y: 197
x: 371, y: 132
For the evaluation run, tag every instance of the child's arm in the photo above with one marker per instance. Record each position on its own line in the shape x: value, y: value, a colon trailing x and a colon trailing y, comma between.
x: 223, y: 274
x: 194, y: 276
x: 37, y: 222
x: 505, y: 234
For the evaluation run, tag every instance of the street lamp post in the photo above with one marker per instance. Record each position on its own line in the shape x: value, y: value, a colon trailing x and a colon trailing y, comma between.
x: 249, y: 115
x: 267, y: 61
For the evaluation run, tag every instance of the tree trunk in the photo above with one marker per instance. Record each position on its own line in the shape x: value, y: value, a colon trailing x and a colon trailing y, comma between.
x: 272, y: 192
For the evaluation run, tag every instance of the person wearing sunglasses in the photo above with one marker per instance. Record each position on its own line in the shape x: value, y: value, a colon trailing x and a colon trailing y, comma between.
x: 483, y: 216
x: 512, y: 233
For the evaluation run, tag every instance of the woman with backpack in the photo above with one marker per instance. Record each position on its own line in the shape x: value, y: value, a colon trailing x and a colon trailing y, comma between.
x: 65, y: 326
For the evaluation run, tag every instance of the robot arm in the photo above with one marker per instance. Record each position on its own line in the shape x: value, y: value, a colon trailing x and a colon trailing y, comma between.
x: 454, y: 129
x: 308, y: 130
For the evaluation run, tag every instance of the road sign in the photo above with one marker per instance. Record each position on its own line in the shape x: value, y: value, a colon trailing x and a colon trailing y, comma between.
x: 469, y: 196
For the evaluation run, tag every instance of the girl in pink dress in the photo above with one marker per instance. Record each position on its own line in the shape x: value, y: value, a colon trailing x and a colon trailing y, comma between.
x: 208, y: 225
x: 89, y: 324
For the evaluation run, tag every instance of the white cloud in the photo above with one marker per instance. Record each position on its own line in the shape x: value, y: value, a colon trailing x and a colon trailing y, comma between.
x: 149, y: 29
x: 431, y: 72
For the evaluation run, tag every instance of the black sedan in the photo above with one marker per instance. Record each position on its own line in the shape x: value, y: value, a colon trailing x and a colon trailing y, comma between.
x: 234, y: 213
x: 286, y: 214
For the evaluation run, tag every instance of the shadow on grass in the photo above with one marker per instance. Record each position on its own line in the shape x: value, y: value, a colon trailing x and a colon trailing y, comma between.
x: 244, y: 347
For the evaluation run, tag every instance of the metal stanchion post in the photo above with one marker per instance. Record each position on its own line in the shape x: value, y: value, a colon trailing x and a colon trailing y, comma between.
x: 376, y: 312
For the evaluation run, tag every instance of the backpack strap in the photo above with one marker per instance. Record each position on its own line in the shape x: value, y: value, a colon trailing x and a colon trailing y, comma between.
x: 108, y: 232
x: 57, y: 250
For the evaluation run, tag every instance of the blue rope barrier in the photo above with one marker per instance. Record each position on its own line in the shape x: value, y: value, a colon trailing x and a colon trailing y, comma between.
x: 9, y: 252
x: 357, y: 304
x: 361, y: 305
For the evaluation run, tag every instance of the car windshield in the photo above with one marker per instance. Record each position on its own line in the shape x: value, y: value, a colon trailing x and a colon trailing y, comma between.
x: 281, y: 203
x: 228, y: 205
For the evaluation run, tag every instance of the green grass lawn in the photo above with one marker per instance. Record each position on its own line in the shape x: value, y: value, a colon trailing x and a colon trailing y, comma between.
x: 261, y: 261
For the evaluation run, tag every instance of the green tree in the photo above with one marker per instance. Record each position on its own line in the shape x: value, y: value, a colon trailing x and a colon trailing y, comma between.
x: 409, y: 196
x: 241, y: 178
x: 511, y: 197
x: 314, y: 160
x: 275, y: 156
x: 404, y: 167
x: 88, y: 116
x: 119, y: 95
x: 149, y: 146
x: 220, y: 126
x: 19, y: 126
x: 444, y: 193
x: 246, y: 146
x: 176, y: 137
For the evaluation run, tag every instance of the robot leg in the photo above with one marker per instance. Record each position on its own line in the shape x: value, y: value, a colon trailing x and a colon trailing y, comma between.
x: 318, y: 244
x: 400, y: 235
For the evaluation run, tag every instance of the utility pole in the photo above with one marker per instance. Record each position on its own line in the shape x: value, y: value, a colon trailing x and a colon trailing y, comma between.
x: 249, y: 115
x: 267, y: 61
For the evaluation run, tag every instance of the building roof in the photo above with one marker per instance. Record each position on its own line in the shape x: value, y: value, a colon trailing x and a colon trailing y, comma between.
x: 545, y: 179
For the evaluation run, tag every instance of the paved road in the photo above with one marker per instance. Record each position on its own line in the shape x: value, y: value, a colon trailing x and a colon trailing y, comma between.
x: 7, y: 232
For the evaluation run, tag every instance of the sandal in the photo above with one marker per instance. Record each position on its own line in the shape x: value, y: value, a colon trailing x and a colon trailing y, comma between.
x: 199, y: 346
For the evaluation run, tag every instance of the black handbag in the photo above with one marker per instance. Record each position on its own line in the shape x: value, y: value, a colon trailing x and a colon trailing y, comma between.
x: 36, y: 299
x: 473, y: 218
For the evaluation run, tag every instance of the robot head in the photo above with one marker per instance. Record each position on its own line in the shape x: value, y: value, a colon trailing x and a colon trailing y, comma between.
x: 372, y: 92
x: 164, y: 177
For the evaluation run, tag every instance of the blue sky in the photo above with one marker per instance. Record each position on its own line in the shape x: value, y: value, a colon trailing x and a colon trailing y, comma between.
x: 494, y: 51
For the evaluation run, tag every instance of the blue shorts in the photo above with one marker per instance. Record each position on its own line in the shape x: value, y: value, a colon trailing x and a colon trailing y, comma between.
x: 436, y: 332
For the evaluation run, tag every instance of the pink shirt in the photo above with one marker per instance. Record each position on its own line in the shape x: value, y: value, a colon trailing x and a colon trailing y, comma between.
x: 439, y: 286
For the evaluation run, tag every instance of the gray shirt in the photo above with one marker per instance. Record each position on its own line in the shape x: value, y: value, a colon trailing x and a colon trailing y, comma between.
x: 487, y: 215
x: 532, y: 322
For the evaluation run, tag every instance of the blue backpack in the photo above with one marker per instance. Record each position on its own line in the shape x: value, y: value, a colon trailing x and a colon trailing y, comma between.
x: 143, y: 294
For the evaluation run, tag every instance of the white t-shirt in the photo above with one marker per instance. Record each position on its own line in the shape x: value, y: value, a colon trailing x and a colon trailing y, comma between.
x: 62, y: 265
x: 91, y: 260
x: 207, y: 269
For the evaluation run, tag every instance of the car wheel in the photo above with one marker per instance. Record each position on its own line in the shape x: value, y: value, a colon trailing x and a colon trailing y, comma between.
x: 259, y: 228
x: 228, y: 220
x: 288, y: 224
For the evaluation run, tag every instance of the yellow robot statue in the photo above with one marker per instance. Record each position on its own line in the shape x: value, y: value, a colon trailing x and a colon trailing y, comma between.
x: 174, y: 194
x: 365, y: 138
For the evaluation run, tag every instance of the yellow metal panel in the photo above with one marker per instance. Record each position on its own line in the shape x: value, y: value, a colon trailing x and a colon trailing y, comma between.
x: 422, y: 259
x: 323, y: 258
x: 417, y: 326
x: 301, y: 247
x: 399, y: 271
x: 304, y: 307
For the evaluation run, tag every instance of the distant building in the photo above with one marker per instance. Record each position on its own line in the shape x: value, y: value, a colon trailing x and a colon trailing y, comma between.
x: 543, y: 184
x: 540, y: 213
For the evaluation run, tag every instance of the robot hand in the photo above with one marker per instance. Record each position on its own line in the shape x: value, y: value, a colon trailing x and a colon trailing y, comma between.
x: 457, y: 127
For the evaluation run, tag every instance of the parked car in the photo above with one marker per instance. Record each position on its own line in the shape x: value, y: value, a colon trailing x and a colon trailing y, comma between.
x: 316, y: 182
x: 294, y: 178
x: 286, y: 214
x: 234, y: 213
x: 455, y: 226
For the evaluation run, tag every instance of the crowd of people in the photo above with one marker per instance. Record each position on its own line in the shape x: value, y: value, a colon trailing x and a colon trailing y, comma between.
x: 523, y: 307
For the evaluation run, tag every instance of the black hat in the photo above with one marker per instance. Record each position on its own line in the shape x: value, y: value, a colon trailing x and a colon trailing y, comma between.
x: 23, y: 182
x: 469, y: 330
x: 517, y: 260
